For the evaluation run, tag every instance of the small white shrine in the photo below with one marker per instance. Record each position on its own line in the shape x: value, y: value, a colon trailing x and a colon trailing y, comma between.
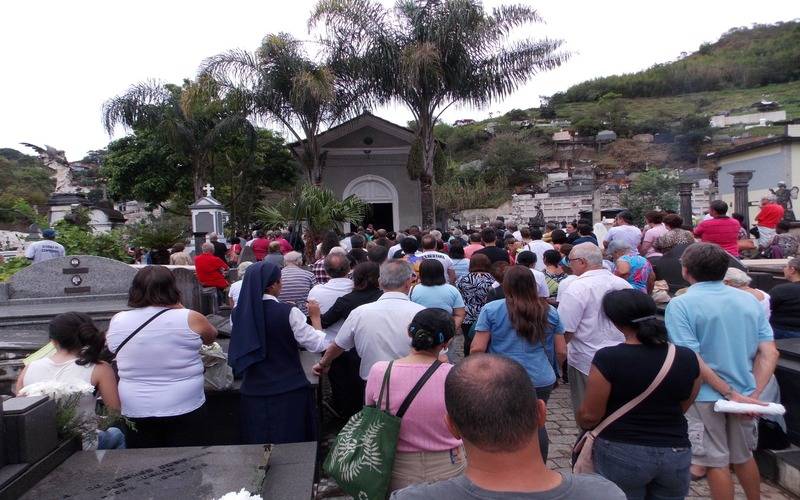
x: 208, y: 214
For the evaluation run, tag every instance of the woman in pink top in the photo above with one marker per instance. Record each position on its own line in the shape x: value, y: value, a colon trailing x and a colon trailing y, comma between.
x: 426, y: 449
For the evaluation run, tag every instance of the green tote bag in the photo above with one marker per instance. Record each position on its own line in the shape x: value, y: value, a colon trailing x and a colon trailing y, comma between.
x: 362, y: 455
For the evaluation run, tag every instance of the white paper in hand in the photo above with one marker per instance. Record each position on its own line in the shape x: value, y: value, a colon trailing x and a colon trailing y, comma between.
x: 724, y: 406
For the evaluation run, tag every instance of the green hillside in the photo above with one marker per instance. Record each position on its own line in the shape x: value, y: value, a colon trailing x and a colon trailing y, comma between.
x: 741, y: 58
x: 668, y: 109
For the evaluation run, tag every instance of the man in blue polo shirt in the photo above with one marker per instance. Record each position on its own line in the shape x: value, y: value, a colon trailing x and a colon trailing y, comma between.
x: 729, y: 331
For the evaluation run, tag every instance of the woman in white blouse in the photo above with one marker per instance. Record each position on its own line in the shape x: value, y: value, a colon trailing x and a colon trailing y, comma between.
x: 157, y: 346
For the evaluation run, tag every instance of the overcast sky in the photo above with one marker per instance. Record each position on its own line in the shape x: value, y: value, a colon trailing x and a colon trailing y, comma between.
x: 62, y: 59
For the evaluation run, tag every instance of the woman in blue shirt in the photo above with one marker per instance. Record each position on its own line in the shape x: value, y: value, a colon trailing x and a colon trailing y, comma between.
x: 525, y: 328
x: 460, y: 262
x: 433, y: 291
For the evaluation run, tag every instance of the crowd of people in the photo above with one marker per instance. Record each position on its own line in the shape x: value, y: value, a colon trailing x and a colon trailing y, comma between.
x: 536, y: 307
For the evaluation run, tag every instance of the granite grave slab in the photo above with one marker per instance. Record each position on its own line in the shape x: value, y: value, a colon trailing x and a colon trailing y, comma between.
x: 30, y: 428
x: 72, y: 276
x: 278, y: 472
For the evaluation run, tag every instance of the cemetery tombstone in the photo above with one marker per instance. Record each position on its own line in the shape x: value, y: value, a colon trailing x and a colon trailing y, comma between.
x: 30, y: 428
x: 71, y: 277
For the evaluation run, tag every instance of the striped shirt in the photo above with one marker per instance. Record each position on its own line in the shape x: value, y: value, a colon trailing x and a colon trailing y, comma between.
x: 295, y: 285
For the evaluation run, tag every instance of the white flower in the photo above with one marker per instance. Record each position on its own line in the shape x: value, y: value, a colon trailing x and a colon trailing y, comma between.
x: 55, y: 389
x: 242, y: 494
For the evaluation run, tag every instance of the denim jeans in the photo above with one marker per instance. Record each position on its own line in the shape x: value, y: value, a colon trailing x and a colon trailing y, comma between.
x: 543, y: 393
x: 780, y: 333
x: 644, y: 472
x: 110, y: 439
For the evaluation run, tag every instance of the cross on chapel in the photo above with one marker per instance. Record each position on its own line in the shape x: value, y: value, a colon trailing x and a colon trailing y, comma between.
x: 209, y: 189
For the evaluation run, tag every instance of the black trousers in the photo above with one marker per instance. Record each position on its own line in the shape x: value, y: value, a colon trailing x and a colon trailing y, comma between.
x: 160, y: 432
x: 347, y: 386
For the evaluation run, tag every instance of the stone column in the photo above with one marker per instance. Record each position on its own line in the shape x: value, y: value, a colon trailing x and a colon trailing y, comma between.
x: 741, y: 187
x: 685, y: 191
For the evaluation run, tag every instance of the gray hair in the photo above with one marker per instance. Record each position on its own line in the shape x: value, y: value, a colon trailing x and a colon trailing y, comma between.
x: 213, y: 236
x: 770, y: 197
x: 337, y: 250
x: 395, y: 274
x: 737, y: 277
x: 208, y: 248
x: 589, y: 252
x: 436, y: 234
x: 293, y: 258
x: 243, y: 268
x: 456, y: 233
x: 618, y: 245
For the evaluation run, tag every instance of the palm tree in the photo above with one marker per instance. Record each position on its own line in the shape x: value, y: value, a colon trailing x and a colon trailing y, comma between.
x: 432, y: 54
x: 284, y: 84
x: 193, y: 119
x: 318, y: 208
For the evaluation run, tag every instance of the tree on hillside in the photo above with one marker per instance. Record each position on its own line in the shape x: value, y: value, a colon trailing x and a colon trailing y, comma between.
x: 192, y: 119
x: 513, y: 160
x: 431, y: 55
x: 283, y: 83
x: 651, y: 189
x: 742, y: 58
x: 143, y: 167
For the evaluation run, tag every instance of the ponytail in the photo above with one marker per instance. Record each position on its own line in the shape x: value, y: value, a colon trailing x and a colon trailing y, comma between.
x: 636, y: 310
x: 74, y: 331
x: 650, y: 331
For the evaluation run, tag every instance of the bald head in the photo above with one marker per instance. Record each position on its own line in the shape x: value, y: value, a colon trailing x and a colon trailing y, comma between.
x: 337, y: 265
x: 492, y: 402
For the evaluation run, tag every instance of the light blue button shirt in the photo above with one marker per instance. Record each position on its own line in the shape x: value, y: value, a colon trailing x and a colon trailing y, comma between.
x: 724, y: 325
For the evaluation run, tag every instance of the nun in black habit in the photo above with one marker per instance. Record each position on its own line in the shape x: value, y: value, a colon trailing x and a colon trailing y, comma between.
x: 277, y: 403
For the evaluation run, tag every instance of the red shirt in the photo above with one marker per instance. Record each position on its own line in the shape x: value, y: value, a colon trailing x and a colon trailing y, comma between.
x: 208, y: 268
x: 770, y: 215
x: 723, y: 231
x: 260, y: 248
x: 286, y: 247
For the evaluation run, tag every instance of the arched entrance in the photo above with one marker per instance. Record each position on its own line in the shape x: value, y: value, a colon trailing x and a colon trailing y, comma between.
x: 381, y: 196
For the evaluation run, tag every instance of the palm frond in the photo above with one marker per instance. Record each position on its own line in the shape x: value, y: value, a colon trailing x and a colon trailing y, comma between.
x: 140, y: 104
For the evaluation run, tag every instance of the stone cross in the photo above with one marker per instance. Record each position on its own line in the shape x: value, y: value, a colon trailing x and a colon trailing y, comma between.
x: 209, y: 189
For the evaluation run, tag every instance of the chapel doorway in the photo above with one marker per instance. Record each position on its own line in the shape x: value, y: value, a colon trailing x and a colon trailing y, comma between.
x: 381, y: 197
x: 380, y: 216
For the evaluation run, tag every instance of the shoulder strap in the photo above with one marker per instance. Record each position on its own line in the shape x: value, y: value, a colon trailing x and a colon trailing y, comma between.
x: 662, y: 374
x: 159, y: 313
x: 385, y: 386
x: 411, y: 395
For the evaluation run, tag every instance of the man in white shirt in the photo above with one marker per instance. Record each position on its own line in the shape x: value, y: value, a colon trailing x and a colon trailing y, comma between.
x: 624, y: 230
x: 429, y: 252
x: 538, y: 247
x: 46, y: 249
x: 379, y: 330
x: 526, y: 258
x: 396, y: 247
x: 337, y: 266
x: 586, y: 327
